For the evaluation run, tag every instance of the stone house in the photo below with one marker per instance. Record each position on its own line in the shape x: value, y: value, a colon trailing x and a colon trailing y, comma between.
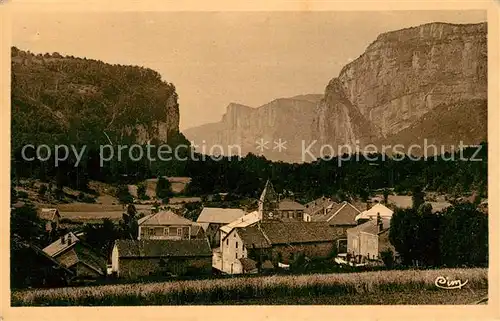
x: 277, y: 242
x: 317, y: 207
x: 75, y: 255
x: 32, y: 267
x: 142, y: 258
x: 166, y: 225
x: 217, y: 262
x: 369, y: 239
x: 289, y: 210
x: 213, y: 218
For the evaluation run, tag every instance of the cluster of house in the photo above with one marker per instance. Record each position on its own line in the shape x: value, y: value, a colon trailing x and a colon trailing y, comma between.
x: 232, y: 241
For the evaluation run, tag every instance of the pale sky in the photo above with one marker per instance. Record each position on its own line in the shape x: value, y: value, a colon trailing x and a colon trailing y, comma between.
x: 214, y: 58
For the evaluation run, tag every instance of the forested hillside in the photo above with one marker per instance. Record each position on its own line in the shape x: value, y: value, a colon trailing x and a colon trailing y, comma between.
x: 79, y: 101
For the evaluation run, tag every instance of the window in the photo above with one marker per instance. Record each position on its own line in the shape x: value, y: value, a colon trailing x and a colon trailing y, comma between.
x: 227, y: 241
x: 236, y: 244
x: 165, y: 231
x: 236, y: 255
x: 179, y: 231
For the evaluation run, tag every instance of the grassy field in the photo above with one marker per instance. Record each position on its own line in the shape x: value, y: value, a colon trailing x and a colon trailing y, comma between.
x: 383, y: 287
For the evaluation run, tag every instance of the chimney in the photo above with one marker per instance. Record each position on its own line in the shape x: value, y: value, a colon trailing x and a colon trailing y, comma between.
x: 69, y: 239
x: 380, y: 223
x: 62, y: 239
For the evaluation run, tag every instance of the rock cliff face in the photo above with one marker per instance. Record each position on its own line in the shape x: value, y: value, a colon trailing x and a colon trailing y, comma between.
x: 431, y: 79
x: 403, y: 75
x: 288, y: 119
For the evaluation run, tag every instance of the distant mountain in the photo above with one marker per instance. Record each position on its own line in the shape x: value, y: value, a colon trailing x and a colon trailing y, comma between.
x: 427, y: 82
x: 287, y: 119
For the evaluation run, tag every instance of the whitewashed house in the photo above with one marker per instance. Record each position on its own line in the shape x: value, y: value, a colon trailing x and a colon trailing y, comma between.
x: 166, y: 225
x: 227, y: 257
x: 213, y: 218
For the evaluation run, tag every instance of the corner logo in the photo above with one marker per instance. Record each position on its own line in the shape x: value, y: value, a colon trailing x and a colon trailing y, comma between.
x: 446, y: 283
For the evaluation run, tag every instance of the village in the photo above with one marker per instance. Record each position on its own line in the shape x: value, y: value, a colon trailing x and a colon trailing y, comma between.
x: 280, y: 236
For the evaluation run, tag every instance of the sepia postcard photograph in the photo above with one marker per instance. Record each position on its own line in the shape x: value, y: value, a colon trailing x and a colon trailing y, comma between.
x: 250, y: 157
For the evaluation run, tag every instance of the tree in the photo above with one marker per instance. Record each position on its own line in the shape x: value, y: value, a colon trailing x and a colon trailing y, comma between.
x: 415, y: 235
x: 141, y: 192
x: 464, y: 236
x: 25, y: 223
x: 42, y: 190
x: 129, y: 224
x: 101, y: 236
x: 386, y: 196
x: 123, y: 195
x: 387, y: 257
x: 417, y: 196
x: 163, y: 189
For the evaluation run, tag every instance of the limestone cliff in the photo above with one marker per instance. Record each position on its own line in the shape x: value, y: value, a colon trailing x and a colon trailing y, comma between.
x: 288, y: 119
x: 402, y: 76
x: 430, y: 79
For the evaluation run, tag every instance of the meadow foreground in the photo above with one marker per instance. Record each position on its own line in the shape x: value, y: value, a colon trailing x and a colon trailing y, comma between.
x: 397, y: 287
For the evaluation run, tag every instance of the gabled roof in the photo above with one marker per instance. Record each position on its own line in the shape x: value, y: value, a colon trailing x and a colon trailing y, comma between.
x: 243, y: 221
x: 374, y: 211
x: 253, y: 237
x: 345, y: 215
x: 370, y: 227
x: 49, y: 214
x: 38, y: 251
x: 195, y: 228
x: 331, y: 210
x: 248, y: 264
x: 57, y: 247
x: 299, y: 232
x: 162, y: 248
x: 164, y: 218
x: 84, y: 255
x: 289, y: 205
x: 318, y: 205
x: 266, y: 234
x: 219, y: 215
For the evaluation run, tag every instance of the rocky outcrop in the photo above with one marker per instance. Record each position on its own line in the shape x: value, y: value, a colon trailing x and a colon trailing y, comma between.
x: 403, y: 75
x: 426, y: 82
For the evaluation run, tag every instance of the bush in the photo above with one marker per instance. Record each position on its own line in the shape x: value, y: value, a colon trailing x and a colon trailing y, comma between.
x: 123, y: 195
x: 42, y: 190
x: 163, y: 189
x: 387, y: 257
x: 22, y: 194
x: 82, y: 197
x: 141, y: 192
